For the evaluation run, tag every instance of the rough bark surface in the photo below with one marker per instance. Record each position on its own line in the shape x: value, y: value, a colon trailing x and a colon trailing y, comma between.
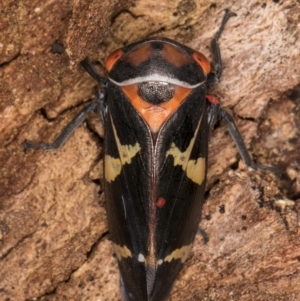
x: 53, y: 233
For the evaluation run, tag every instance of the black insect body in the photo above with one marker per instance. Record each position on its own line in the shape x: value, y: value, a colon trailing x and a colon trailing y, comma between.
x: 157, y: 118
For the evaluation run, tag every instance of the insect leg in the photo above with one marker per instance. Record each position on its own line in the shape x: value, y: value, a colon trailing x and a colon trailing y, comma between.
x: 236, y: 136
x: 216, y: 75
x: 93, y: 73
x: 96, y: 105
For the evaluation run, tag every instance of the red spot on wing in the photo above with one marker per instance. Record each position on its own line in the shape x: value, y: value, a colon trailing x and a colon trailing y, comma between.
x: 161, y: 202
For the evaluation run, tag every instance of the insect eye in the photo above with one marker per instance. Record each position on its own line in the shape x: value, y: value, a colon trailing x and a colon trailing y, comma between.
x: 202, y: 61
x: 113, y: 58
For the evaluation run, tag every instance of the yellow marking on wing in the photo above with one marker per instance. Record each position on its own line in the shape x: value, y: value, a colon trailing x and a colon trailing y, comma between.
x: 122, y: 252
x: 195, y: 169
x: 113, y: 166
x: 181, y: 254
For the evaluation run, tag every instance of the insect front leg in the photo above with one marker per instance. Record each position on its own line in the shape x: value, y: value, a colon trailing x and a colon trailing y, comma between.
x: 93, y: 73
x: 98, y: 106
x: 215, y: 76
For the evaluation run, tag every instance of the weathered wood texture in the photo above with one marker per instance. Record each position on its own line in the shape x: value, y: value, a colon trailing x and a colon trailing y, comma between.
x: 53, y: 232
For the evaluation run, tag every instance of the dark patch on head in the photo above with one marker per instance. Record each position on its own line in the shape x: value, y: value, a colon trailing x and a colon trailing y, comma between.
x: 157, y: 45
x: 156, y: 92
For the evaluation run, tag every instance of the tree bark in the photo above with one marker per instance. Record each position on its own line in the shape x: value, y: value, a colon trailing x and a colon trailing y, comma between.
x: 53, y: 232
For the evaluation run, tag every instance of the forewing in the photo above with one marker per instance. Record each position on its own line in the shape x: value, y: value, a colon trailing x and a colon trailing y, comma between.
x: 181, y: 157
x: 127, y: 190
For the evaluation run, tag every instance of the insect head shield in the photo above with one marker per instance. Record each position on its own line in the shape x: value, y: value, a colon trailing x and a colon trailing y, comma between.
x: 157, y: 60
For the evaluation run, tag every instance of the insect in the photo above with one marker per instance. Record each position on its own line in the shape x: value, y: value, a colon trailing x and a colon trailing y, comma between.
x: 157, y: 118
